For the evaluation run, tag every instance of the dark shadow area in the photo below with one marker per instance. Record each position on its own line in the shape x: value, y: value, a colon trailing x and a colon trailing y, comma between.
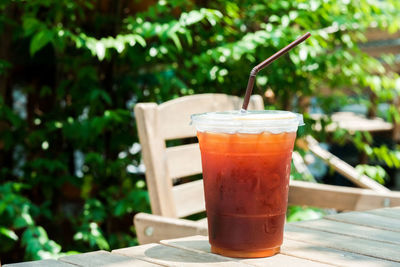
x: 180, y: 142
x: 196, y: 216
x: 187, y: 179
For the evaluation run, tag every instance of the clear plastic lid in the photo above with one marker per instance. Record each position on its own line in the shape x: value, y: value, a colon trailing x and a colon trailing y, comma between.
x: 274, y: 121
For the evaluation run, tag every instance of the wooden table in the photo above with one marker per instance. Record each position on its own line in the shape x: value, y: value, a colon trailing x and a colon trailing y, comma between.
x: 370, y: 238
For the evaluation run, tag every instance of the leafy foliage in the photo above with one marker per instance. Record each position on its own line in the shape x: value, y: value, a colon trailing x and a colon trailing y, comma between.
x: 71, y: 177
x: 376, y: 172
x: 297, y: 213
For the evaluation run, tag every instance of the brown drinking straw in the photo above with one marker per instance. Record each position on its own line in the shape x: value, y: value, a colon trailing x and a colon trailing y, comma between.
x: 265, y: 63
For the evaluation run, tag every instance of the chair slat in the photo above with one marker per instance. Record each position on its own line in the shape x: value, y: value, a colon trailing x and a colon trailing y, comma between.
x: 189, y: 198
x: 183, y: 160
x: 153, y: 149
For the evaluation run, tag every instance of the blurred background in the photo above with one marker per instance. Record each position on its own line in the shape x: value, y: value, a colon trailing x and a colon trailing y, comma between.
x: 71, y: 176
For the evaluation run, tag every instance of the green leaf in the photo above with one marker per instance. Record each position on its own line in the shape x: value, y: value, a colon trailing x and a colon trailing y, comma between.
x: 176, y: 40
x: 30, y: 25
x: 189, y: 38
x: 4, y: 66
x: 192, y: 17
x: 100, y: 50
x: 140, y: 40
x: 297, y: 213
x: 25, y: 219
x: 8, y: 233
x: 39, y: 40
x: 375, y: 172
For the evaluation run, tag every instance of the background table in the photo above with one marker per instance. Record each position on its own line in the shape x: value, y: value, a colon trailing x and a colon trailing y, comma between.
x: 370, y: 238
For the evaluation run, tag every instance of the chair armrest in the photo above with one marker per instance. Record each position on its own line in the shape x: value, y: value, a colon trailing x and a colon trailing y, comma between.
x: 340, y: 197
x: 153, y: 228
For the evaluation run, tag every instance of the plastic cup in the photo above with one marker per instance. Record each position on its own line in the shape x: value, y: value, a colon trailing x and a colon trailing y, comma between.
x: 246, y: 167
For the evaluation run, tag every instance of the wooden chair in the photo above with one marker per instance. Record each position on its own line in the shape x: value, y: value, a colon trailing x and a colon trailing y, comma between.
x: 171, y: 120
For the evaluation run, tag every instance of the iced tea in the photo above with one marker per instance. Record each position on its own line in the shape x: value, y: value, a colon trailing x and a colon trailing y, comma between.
x: 246, y: 180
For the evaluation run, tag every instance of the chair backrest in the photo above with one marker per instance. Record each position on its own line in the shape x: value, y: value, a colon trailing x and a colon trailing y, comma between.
x: 171, y: 120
